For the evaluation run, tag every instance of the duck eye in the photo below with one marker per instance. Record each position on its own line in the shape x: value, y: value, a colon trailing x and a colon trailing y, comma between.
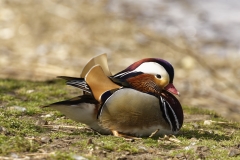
x: 158, y: 76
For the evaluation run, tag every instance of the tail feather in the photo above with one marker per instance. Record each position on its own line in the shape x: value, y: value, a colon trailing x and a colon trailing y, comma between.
x: 77, y: 82
x: 74, y: 101
x: 70, y: 78
x: 82, y: 109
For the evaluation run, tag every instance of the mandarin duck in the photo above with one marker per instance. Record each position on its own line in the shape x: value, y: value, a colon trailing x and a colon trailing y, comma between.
x: 136, y: 102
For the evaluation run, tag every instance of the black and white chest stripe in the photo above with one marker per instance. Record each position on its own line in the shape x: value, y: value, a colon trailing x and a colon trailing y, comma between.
x: 169, y: 114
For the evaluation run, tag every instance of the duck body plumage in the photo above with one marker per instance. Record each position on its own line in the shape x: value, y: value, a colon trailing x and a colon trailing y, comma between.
x: 136, y: 113
x: 137, y: 101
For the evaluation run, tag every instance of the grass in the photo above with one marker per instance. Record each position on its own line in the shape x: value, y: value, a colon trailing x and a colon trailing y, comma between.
x: 23, y: 134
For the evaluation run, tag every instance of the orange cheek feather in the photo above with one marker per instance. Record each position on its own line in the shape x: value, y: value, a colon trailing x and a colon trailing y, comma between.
x: 143, y: 82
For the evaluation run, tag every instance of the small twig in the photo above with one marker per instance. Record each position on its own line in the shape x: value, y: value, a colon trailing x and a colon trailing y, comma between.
x: 40, y: 154
x: 231, y: 133
x: 66, y: 127
x: 220, y: 122
x: 171, y: 138
x: 153, y: 133
x: 208, y: 122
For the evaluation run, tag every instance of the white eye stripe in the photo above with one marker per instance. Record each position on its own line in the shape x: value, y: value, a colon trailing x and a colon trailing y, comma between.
x: 150, y: 68
x: 154, y: 69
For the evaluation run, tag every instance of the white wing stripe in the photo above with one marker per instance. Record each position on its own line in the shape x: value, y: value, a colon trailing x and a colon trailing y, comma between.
x: 123, y: 74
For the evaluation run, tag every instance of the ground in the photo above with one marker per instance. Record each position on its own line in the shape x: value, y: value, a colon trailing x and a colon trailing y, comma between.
x: 28, y: 131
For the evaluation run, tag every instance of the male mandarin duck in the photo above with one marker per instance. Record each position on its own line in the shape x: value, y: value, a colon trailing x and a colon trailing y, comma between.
x: 136, y: 102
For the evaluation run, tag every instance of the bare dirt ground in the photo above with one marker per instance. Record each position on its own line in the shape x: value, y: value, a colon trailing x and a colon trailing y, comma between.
x: 40, y: 40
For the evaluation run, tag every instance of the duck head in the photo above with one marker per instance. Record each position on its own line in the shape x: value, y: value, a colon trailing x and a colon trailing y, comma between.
x: 150, y: 75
